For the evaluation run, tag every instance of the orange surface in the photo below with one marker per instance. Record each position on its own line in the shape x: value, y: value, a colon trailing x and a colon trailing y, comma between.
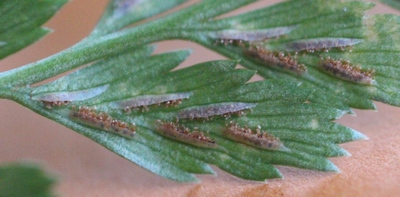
x: 85, y: 168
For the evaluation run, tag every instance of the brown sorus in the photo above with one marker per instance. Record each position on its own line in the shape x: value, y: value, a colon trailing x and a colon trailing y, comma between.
x: 100, y: 120
x: 346, y: 71
x: 50, y: 104
x: 255, y: 138
x: 181, y: 133
x: 278, y: 59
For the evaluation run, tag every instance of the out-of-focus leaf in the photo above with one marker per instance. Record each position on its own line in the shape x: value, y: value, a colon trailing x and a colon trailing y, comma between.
x: 20, y: 180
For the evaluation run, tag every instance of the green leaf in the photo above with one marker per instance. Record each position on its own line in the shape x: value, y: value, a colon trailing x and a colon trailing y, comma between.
x: 393, y: 3
x: 20, y: 24
x: 303, y: 128
x: 310, y: 19
x: 90, y: 50
x: 126, y: 89
x: 314, y: 19
x: 24, y: 180
x: 120, y: 13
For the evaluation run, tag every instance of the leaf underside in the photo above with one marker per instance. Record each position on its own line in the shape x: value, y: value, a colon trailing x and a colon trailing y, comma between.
x: 319, y: 20
x: 297, y: 109
x: 304, y: 128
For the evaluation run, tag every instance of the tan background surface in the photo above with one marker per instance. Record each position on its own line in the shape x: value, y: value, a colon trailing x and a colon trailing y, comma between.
x: 87, y: 169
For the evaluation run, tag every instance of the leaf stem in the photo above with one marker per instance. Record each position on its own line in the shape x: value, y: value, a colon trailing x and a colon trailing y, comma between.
x: 92, y: 49
x: 87, y: 51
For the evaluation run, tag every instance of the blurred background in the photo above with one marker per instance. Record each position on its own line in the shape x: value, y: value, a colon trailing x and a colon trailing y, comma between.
x: 85, y: 168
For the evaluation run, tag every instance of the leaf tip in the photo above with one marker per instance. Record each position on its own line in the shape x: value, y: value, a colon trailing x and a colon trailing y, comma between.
x: 331, y: 167
x: 344, y: 153
x: 47, y: 30
x: 278, y: 174
x: 374, y: 107
x: 358, y: 136
x: 273, y: 174
x: 208, y: 170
